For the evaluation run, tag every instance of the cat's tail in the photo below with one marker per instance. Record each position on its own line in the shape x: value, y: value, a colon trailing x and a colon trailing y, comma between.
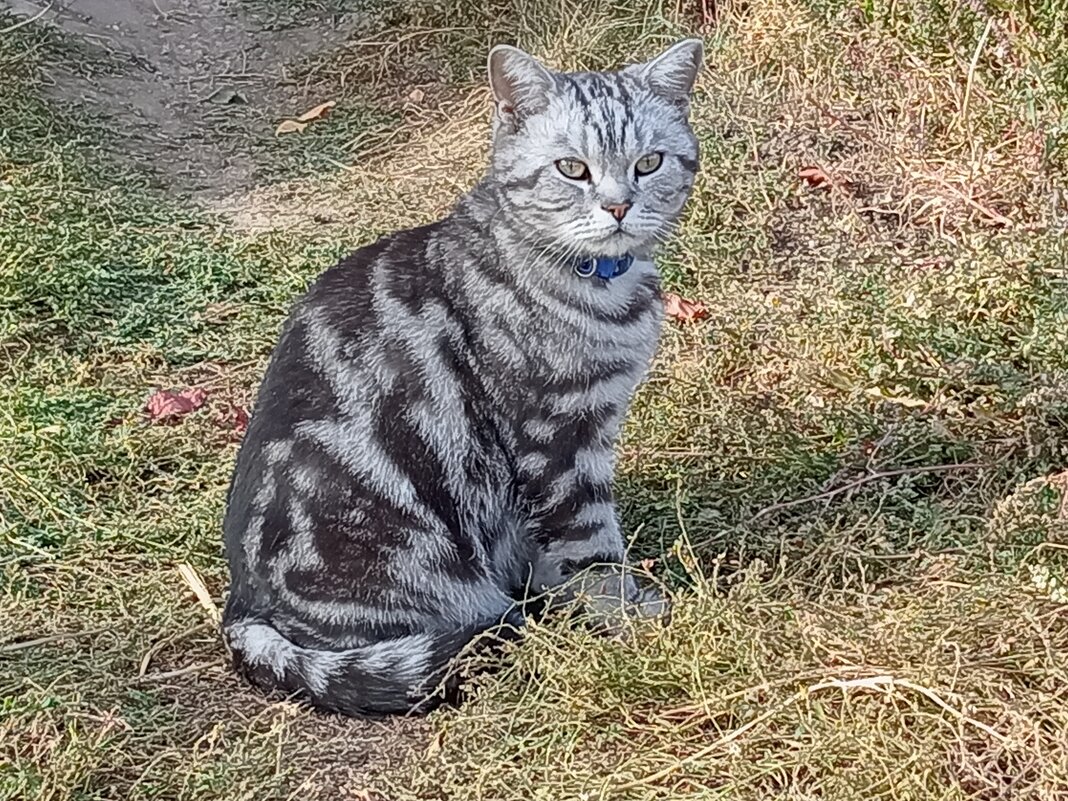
x: 387, y: 677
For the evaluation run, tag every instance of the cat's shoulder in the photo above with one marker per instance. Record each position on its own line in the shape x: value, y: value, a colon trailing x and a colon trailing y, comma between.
x: 394, y: 262
x: 407, y: 247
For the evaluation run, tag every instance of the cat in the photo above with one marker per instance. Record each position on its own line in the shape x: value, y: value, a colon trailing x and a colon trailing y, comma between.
x: 433, y: 441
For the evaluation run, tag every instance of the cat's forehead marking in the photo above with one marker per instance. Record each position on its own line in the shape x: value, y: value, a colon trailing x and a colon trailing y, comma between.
x: 607, y: 106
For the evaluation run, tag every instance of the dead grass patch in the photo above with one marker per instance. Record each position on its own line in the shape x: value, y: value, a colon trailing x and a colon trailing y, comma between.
x: 941, y: 688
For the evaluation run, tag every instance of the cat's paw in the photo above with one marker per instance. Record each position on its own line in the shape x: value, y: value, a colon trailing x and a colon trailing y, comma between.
x: 613, y: 599
x: 651, y: 603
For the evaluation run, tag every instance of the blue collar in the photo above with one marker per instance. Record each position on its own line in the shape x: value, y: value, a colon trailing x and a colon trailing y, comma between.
x: 605, y: 267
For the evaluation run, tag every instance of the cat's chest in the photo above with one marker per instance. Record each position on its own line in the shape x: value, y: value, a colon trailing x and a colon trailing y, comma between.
x: 602, y: 324
x: 573, y: 338
x: 596, y: 360
x: 589, y: 353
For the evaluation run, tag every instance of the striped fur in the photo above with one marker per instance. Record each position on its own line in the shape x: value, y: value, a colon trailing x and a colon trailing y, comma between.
x: 433, y: 440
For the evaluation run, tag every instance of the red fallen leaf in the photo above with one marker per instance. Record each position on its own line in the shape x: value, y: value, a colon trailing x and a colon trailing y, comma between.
x: 231, y: 417
x: 814, y: 176
x: 684, y: 310
x: 169, y: 405
x: 240, y: 420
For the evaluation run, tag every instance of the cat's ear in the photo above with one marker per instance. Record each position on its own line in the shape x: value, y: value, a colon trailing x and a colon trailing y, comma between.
x: 520, y: 84
x: 673, y: 73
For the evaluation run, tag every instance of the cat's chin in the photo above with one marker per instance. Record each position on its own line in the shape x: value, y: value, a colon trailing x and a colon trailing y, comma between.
x: 616, y: 243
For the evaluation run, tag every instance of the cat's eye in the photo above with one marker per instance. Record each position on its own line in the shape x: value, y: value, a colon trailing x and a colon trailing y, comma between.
x: 648, y: 163
x: 574, y: 169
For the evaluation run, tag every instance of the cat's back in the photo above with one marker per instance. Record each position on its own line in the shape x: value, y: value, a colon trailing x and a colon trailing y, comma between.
x: 368, y: 298
x: 343, y: 348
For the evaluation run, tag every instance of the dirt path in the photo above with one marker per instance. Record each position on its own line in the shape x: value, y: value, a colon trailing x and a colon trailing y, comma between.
x: 190, y: 82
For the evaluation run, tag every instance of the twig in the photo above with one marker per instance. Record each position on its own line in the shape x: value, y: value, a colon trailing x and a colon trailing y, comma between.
x: 938, y: 701
x: 196, y: 584
x: 763, y: 687
x: 666, y: 453
x: 339, y: 165
x: 159, y: 645
x: 971, y: 71
x: 228, y: 76
x: 997, y: 217
x: 708, y: 12
x: 11, y: 647
x: 888, y: 683
x: 22, y: 23
x: 824, y: 496
x: 170, y: 674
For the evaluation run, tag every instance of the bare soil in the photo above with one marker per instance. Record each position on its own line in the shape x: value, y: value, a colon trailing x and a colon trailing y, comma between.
x: 191, y: 82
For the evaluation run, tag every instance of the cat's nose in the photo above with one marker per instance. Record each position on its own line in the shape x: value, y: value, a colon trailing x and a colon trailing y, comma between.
x: 617, y: 210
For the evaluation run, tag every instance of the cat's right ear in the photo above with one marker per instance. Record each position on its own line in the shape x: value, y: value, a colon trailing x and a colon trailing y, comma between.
x: 520, y: 84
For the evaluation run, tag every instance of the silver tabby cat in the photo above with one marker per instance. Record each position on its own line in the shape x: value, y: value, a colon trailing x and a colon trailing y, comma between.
x: 433, y: 440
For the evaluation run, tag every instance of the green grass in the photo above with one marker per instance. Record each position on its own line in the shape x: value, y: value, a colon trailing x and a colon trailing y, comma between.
x: 852, y: 475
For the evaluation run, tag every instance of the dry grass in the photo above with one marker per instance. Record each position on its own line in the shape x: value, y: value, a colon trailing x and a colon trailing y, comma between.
x: 938, y: 689
x: 851, y: 476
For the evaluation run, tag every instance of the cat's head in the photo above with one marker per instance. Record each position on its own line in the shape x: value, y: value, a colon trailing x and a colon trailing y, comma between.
x: 595, y: 164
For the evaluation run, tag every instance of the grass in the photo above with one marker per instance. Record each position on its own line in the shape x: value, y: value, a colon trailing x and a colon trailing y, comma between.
x: 852, y: 475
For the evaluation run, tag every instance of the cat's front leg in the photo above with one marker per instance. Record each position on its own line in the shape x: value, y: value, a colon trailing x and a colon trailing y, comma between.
x: 579, y: 548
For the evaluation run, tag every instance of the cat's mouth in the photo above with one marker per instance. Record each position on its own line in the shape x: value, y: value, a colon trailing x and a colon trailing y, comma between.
x: 616, y: 242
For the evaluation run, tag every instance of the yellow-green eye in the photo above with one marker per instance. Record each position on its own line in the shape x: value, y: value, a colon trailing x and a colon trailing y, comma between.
x: 648, y: 163
x: 574, y: 169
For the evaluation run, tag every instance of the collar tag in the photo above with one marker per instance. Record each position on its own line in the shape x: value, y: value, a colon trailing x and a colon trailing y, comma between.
x: 605, y: 267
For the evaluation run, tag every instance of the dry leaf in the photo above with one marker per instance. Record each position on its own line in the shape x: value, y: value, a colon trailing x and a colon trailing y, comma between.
x: 319, y: 111
x: 219, y: 312
x: 814, y: 176
x: 684, y: 310
x: 234, y: 418
x: 169, y: 405
x: 290, y: 126
x: 838, y: 379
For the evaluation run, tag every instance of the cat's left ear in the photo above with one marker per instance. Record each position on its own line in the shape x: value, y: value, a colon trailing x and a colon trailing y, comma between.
x: 673, y: 73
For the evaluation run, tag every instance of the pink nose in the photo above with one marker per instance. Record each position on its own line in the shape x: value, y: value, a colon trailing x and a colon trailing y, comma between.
x: 617, y: 210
